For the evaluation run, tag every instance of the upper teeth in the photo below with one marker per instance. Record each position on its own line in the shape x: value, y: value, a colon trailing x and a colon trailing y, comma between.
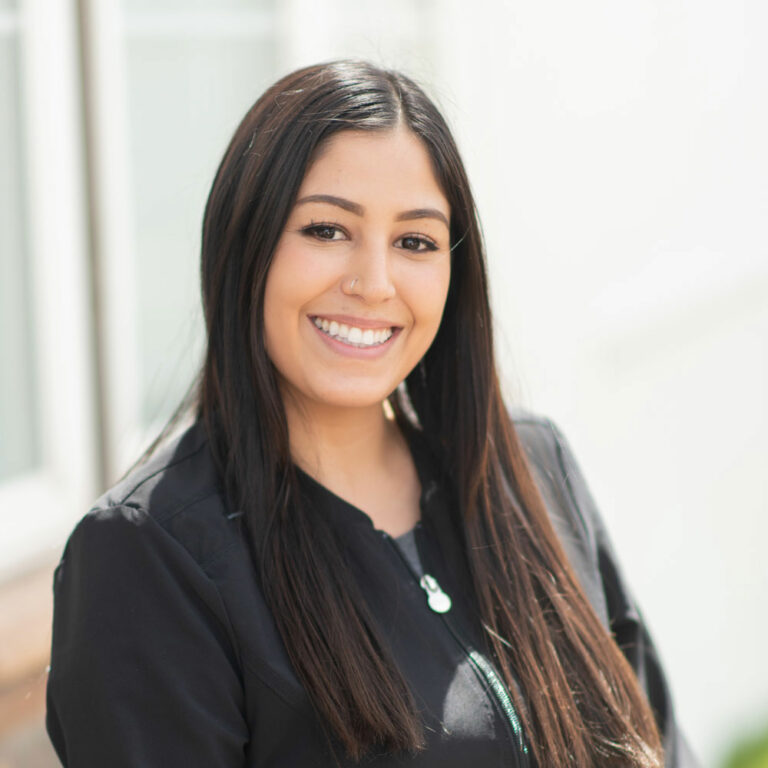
x: 351, y: 334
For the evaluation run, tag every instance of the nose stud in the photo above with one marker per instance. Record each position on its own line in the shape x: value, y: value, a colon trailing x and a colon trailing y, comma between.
x: 352, y: 284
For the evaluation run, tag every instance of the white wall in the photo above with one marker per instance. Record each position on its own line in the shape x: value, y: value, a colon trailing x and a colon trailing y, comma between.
x: 619, y: 159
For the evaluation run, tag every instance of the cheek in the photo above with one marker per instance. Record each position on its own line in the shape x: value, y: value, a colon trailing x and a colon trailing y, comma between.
x: 274, y: 309
x: 294, y: 278
x: 282, y: 297
x: 428, y: 291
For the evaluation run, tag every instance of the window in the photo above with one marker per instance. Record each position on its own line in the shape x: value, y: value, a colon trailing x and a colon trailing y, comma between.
x: 114, y: 115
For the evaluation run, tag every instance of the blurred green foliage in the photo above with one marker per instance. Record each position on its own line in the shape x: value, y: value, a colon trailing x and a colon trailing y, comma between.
x: 752, y: 753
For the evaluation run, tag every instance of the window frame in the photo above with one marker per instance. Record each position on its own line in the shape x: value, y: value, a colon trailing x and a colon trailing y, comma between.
x: 40, y: 506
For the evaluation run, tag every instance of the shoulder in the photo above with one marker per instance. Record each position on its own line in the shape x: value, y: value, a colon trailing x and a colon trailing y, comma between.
x: 173, y: 501
x: 140, y: 625
x: 551, y: 461
x: 541, y: 439
x: 544, y: 447
x: 148, y: 553
x: 568, y: 501
x: 537, y: 434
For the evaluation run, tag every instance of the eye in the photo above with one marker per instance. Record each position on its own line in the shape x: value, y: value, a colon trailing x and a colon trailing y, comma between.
x: 324, y: 232
x: 417, y: 243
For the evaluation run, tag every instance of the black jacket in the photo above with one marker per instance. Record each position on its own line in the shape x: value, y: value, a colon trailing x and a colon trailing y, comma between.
x: 165, y: 653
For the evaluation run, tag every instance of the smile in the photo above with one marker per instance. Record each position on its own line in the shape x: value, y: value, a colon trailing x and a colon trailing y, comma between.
x: 352, y: 335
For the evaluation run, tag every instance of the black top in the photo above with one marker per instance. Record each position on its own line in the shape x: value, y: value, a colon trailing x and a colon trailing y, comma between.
x: 165, y: 654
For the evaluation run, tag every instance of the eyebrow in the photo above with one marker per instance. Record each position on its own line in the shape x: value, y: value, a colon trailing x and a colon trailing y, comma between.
x: 357, y: 209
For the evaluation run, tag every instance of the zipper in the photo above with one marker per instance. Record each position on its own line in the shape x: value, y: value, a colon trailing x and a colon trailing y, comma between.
x: 440, y: 602
x: 437, y: 600
x: 503, y: 697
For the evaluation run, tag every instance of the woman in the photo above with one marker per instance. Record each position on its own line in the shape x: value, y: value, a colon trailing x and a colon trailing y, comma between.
x: 354, y: 554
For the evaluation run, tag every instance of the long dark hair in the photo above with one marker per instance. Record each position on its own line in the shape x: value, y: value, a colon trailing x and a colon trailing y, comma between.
x: 581, y: 701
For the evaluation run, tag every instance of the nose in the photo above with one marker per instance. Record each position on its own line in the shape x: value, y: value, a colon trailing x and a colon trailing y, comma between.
x: 369, y: 275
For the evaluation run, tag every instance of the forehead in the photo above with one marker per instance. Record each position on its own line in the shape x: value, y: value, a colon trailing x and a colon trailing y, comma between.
x: 392, y: 165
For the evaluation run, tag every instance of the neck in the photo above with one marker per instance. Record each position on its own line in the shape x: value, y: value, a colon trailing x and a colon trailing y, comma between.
x: 341, y: 446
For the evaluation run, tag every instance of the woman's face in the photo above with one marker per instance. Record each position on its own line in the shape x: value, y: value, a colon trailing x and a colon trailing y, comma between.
x: 357, y: 286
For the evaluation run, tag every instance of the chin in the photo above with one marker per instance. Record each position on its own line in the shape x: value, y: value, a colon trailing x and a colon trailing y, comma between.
x: 358, y: 397
x: 358, y: 400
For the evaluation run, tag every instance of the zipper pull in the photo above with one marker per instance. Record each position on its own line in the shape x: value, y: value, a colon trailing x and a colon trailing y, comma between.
x: 438, y: 601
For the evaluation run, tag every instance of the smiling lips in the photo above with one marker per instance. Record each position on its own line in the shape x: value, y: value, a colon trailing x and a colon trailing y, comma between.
x: 352, y: 334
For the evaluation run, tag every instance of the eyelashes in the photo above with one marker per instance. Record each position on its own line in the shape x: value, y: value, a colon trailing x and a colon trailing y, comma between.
x: 323, y: 231
x: 429, y: 245
x: 328, y: 232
